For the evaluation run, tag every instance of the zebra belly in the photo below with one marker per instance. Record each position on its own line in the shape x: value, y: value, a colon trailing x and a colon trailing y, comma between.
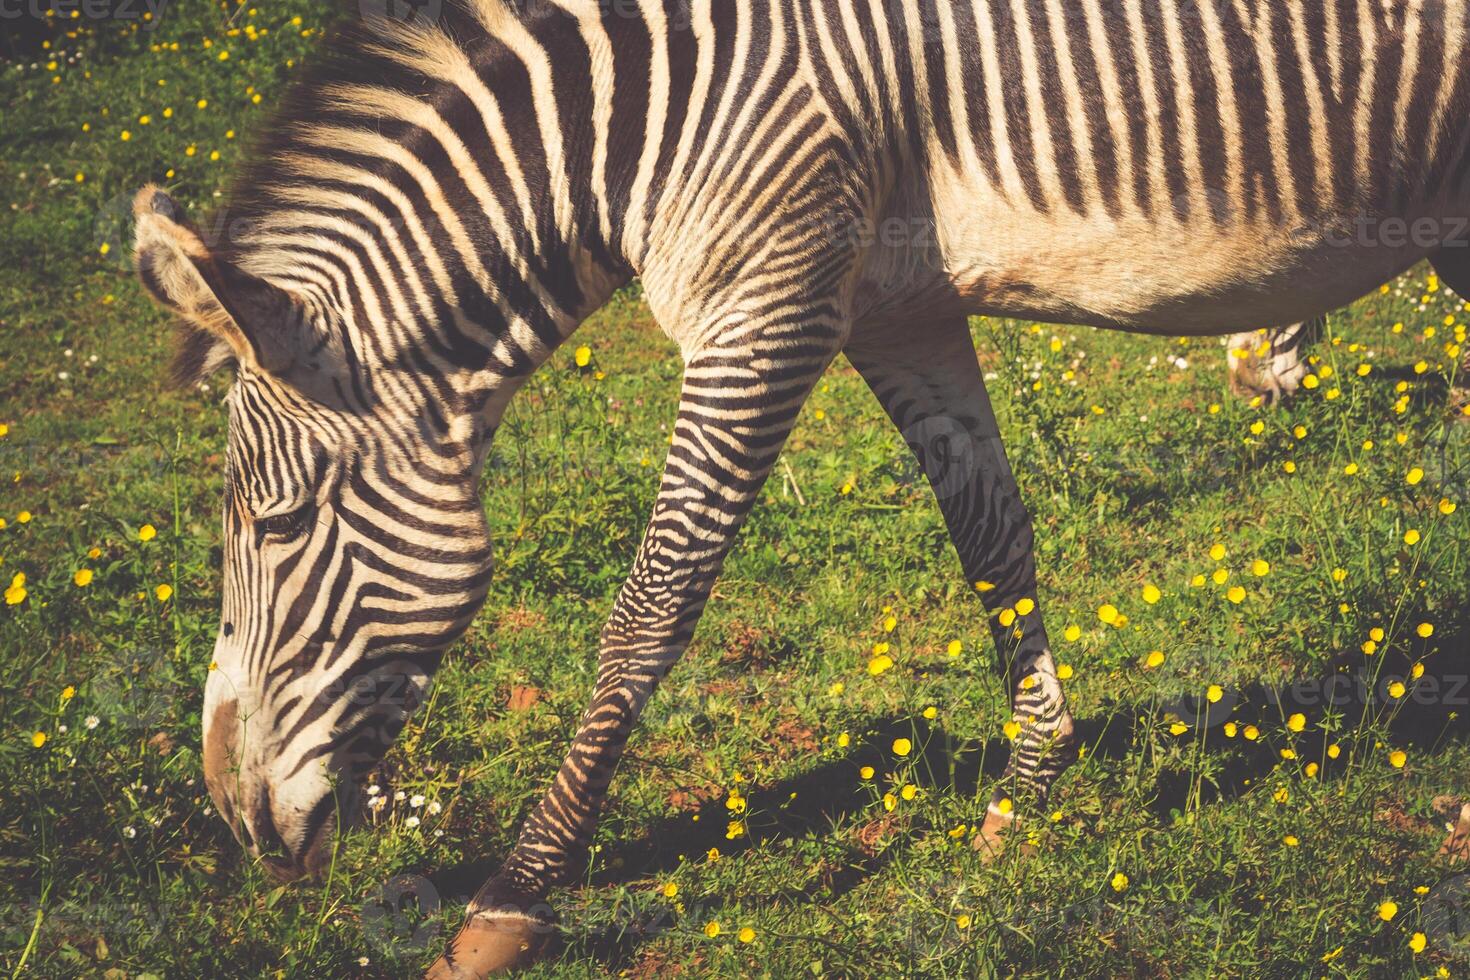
x: 1131, y: 274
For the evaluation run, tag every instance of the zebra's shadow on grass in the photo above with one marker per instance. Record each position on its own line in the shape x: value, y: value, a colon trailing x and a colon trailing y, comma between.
x: 832, y: 794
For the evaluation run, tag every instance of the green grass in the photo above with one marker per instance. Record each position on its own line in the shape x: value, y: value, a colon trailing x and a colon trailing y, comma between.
x: 111, y: 859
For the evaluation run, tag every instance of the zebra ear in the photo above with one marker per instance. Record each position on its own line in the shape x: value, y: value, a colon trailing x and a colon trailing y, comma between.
x: 232, y: 316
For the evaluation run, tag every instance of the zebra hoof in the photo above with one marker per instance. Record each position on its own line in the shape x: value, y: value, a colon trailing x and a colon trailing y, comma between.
x: 491, y: 944
x: 998, y: 833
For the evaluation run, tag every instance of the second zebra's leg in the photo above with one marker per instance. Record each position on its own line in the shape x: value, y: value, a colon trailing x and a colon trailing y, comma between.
x: 930, y: 385
x: 1270, y: 364
x: 733, y: 420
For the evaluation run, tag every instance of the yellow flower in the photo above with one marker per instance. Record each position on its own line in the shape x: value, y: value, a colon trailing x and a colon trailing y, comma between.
x: 583, y: 356
x: 1425, y: 630
x: 94, y: 552
x: 1230, y: 729
x: 1300, y: 431
x: 1396, y: 689
x: 1411, y: 537
x: 1387, y: 911
x: 955, y: 647
x: 38, y: 739
x: 1282, y: 795
x: 1297, y: 722
x: 889, y: 802
x: 1220, y: 575
x: 1007, y: 617
x: 1312, y: 769
x: 1290, y: 840
x: 1064, y: 672
x: 902, y: 747
x: 962, y: 921
x: 866, y: 772
x: 1397, y: 758
x: 1289, y: 466
x: 1350, y: 469
x: 1072, y: 633
x: 1414, y: 476
x: 1418, y: 941
x: 670, y: 890
x: 1338, y: 574
x: 164, y: 592
x: 1108, y: 613
x: 1217, y: 552
x: 1012, y: 729
x: 1119, y: 882
x: 1236, y: 594
x: 984, y: 586
x: 1251, y: 733
x: 844, y: 740
x: 1260, y: 567
x: 712, y: 929
x: 1214, y: 693
x: 24, y: 517
x: 82, y: 578
x: 1151, y: 594
x: 1025, y: 606
x: 1178, y: 728
x: 1288, y: 754
x: 879, y: 664
x: 1446, y: 506
x: 68, y: 692
x: 147, y: 532
x: 1154, y: 659
x: 16, y: 594
x: 909, y: 791
x: 746, y: 935
x: 1334, y: 750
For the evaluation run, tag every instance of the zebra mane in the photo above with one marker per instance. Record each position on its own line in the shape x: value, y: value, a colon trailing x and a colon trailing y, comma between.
x: 355, y: 51
x: 358, y: 49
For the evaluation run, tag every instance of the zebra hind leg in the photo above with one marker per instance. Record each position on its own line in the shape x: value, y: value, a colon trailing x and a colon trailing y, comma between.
x: 932, y: 389
x: 729, y: 430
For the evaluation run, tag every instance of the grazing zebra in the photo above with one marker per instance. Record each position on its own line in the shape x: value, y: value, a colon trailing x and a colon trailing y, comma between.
x: 445, y: 199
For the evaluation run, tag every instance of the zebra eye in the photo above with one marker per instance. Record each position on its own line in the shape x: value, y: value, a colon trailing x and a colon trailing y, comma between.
x: 284, y: 526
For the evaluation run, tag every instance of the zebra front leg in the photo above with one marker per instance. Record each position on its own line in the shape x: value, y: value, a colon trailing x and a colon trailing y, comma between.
x: 932, y: 390
x: 731, y: 425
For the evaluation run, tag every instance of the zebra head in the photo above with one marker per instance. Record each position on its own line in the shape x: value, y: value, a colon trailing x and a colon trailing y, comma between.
x: 355, y: 546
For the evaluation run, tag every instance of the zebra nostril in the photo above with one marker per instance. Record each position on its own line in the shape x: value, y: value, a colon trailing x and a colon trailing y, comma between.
x: 267, y: 836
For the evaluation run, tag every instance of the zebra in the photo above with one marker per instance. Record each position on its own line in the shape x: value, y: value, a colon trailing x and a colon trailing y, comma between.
x: 443, y: 199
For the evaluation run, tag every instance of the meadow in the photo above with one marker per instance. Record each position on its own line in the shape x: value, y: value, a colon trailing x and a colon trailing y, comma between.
x: 1260, y: 615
